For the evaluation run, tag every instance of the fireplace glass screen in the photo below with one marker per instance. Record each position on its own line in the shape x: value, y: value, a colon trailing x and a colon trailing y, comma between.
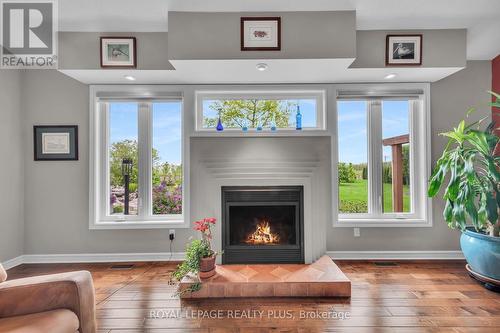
x: 262, y: 225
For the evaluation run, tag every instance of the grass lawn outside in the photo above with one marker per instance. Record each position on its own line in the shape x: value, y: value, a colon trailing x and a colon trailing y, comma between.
x: 358, y: 192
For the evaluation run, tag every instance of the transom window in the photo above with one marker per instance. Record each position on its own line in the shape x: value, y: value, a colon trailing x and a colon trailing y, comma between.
x: 260, y: 110
x: 381, y: 170
x: 139, y: 164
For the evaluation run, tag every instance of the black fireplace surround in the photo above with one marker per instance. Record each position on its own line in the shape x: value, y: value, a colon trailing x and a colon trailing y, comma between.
x: 262, y: 224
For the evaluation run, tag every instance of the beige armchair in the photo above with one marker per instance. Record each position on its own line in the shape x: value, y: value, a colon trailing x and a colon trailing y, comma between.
x: 57, y: 303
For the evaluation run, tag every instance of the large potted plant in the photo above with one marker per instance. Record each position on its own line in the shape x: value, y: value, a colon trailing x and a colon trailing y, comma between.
x: 472, y: 194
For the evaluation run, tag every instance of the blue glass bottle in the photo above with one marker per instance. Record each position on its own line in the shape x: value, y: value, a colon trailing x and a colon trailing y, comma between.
x: 219, y: 126
x: 244, y: 126
x: 298, y: 119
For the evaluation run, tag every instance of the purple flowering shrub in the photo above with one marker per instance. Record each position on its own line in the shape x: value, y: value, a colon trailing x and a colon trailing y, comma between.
x: 167, y: 199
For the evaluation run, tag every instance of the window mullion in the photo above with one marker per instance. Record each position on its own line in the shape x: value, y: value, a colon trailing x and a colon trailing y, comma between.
x: 415, y: 139
x: 104, y: 181
x: 375, y: 157
x: 144, y: 162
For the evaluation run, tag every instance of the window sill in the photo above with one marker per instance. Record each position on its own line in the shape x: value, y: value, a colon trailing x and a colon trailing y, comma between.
x: 382, y: 223
x: 108, y: 225
x: 263, y: 133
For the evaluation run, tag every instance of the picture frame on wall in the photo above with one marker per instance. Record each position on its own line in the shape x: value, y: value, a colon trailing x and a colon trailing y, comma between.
x: 55, y: 142
x: 260, y: 34
x: 403, y: 50
x: 118, y: 52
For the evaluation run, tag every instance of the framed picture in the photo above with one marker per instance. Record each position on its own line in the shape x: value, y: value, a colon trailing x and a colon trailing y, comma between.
x: 260, y: 33
x: 118, y: 52
x: 55, y: 143
x: 403, y: 50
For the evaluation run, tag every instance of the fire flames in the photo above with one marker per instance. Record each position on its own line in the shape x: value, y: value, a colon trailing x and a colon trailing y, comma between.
x: 263, y: 235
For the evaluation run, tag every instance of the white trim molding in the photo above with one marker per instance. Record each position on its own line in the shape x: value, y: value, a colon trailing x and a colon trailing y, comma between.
x: 396, y: 255
x: 13, y: 262
x: 179, y: 256
x: 93, y: 258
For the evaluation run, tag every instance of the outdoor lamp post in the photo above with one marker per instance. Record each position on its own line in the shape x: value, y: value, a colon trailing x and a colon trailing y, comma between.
x: 126, y: 172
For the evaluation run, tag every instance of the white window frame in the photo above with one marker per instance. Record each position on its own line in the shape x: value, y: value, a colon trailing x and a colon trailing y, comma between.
x: 100, y: 218
x: 420, y: 156
x: 268, y: 94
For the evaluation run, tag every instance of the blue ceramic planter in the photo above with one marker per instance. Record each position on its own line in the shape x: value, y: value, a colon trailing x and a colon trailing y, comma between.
x: 482, y: 252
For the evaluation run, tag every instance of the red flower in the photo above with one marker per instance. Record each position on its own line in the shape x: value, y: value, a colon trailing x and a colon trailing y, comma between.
x: 211, y: 220
x: 200, y: 226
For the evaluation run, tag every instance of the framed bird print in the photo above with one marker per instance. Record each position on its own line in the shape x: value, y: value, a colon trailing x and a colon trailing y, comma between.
x: 403, y: 50
x: 118, y: 52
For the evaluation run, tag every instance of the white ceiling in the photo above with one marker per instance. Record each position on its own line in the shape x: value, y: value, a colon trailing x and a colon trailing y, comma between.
x: 279, y: 71
x: 480, y: 17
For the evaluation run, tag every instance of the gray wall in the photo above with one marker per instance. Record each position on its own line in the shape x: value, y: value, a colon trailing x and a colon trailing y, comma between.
x: 450, y: 99
x: 57, y: 199
x: 11, y: 166
x: 56, y: 195
x: 304, y: 35
x: 81, y: 50
x: 440, y: 48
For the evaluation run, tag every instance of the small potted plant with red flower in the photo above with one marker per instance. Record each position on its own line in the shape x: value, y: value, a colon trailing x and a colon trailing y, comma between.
x: 200, y: 257
x: 207, y: 262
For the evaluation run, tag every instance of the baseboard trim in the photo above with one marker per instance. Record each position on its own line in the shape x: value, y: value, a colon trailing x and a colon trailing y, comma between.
x: 13, y: 262
x: 177, y: 256
x: 92, y: 258
x: 396, y: 255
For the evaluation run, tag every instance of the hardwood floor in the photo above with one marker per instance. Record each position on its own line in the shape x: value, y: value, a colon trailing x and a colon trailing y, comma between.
x: 425, y: 296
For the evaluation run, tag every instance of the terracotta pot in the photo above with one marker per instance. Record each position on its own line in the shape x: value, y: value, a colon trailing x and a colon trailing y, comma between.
x: 207, y: 264
x: 206, y: 275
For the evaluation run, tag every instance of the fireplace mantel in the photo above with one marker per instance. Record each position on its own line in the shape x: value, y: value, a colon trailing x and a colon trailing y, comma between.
x: 213, y: 174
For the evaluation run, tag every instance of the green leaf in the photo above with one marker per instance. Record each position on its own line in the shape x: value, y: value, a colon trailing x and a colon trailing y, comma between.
x: 479, y: 141
x: 459, y: 216
x: 494, y: 94
x: 448, y: 211
x: 472, y: 211
x: 438, y: 175
x: 491, y: 208
x: 454, y: 184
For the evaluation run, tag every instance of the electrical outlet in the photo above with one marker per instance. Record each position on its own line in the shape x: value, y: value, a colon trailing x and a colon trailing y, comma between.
x: 171, y: 234
x: 357, y: 232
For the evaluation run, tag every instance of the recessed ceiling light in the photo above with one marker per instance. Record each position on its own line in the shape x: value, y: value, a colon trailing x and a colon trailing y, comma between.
x: 261, y: 67
x: 130, y: 77
x: 390, y: 76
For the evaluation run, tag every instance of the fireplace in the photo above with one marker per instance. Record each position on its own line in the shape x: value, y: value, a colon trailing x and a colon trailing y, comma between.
x: 262, y: 224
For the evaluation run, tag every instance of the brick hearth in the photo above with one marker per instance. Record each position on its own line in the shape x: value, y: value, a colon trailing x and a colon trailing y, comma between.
x: 322, y: 278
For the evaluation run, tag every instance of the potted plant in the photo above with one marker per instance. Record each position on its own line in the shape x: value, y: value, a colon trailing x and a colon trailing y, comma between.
x: 472, y: 194
x: 200, y: 257
x: 207, y: 263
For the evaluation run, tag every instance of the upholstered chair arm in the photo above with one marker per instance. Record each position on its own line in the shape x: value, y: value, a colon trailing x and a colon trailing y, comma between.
x: 73, y: 291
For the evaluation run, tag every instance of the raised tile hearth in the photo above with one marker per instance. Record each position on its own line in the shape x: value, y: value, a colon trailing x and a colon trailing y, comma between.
x: 322, y: 278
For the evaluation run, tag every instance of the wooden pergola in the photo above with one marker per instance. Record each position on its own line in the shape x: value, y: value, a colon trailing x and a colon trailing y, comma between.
x: 396, y: 144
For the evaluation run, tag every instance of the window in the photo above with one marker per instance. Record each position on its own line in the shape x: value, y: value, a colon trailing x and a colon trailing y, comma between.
x: 260, y: 110
x: 382, y: 160
x: 353, y: 157
x: 138, y: 169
